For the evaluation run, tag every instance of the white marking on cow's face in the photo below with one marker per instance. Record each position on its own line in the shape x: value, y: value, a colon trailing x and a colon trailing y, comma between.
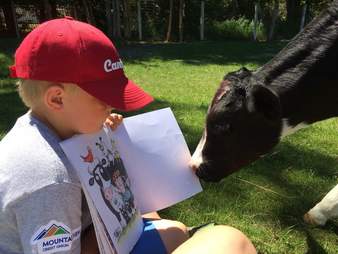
x: 197, y: 158
x: 287, y: 129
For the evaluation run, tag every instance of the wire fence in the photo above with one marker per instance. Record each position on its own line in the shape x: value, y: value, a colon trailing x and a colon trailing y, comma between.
x: 18, y: 18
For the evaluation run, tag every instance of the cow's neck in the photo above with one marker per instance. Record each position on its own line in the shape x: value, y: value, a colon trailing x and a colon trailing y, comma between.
x: 305, y: 73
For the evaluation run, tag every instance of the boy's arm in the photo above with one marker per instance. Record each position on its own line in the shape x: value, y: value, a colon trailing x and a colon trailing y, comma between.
x: 56, y: 206
x: 89, y: 242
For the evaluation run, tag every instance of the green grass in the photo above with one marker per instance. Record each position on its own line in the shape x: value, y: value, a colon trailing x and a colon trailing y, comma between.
x: 265, y: 200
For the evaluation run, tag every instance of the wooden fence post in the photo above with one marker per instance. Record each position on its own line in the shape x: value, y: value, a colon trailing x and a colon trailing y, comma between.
x: 202, y: 21
x: 139, y: 20
x: 255, y: 22
x: 15, y: 21
x: 302, y: 22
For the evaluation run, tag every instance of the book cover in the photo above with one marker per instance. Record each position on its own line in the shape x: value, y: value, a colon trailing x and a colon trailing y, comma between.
x: 139, y: 168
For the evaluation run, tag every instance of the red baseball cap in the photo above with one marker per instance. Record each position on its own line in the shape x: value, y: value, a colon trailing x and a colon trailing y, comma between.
x: 70, y: 51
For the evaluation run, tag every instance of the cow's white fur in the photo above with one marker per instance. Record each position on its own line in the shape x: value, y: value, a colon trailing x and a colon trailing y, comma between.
x: 197, y: 159
x: 287, y: 129
x: 327, y: 208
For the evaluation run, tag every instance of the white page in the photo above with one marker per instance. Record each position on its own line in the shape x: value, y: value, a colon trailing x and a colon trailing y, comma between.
x: 156, y: 156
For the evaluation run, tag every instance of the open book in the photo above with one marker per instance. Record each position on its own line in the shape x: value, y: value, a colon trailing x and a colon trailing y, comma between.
x: 139, y: 168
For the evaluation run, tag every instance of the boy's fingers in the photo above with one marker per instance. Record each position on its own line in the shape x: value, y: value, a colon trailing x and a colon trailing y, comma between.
x: 115, y: 117
x: 114, y: 120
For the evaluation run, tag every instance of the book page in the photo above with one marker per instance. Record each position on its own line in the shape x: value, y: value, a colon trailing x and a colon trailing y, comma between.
x: 104, y: 241
x: 107, y: 187
x: 156, y: 156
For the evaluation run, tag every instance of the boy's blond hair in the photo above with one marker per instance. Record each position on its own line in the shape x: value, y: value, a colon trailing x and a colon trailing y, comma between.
x: 31, y: 91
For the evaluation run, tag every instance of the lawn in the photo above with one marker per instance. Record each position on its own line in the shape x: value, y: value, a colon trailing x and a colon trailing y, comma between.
x: 267, y: 199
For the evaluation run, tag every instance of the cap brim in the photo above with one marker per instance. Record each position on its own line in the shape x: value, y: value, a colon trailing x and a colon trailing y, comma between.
x: 123, y: 95
x: 12, y: 71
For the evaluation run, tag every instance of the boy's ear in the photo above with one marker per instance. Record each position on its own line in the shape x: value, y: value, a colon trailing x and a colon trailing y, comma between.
x: 53, y: 97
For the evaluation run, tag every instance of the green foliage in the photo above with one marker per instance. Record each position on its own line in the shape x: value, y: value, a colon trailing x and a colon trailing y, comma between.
x: 236, y: 29
x: 6, y: 55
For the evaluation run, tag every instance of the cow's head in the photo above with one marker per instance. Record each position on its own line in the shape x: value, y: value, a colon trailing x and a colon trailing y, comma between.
x: 243, y: 123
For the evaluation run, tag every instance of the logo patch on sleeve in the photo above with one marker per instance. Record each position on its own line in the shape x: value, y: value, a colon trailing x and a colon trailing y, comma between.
x: 54, y: 237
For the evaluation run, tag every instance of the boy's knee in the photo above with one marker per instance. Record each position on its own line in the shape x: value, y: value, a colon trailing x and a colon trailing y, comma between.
x: 172, y: 233
x: 180, y: 227
x: 217, y: 239
x: 231, y: 236
x: 172, y: 227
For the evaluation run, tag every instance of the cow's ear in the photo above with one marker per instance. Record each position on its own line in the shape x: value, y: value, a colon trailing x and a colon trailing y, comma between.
x: 263, y: 100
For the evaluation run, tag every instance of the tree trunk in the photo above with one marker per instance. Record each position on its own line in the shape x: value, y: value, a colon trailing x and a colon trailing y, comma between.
x: 47, y: 9
x: 170, y: 20
x: 10, y: 16
x: 117, y: 20
x: 109, y: 18
x: 139, y: 20
x: 255, y: 22
x: 74, y: 11
x: 302, y: 22
x: 202, y: 21
x: 180, y: 20
x: 15, y: 21
x: 126, y: 18
x: 89, y: 13
x: 292, y: 11
x: 275, y: 15
x: 235, y: 8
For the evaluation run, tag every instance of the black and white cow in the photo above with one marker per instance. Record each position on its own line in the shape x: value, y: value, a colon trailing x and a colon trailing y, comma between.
x: 252, y: 111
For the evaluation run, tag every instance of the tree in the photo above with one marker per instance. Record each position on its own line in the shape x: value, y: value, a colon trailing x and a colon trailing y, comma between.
x: 139, y: 20
x: 126, y: 18
x: 116, y: 19
x: 108, y: 13
x: 89, y: 12
x: 302, y: 23
x: 47, y: 9
x: 255, y: 21
x: 180, y: 19
x: 275, y: 14
x: 293, y: 11
x: 202, y: 21
x: 170, y: 20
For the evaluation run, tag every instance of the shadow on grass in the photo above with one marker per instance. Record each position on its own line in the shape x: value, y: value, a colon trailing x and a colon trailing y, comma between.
x: 202, y: 53
x: 291, y: 159
x: 192, y: 53
x: 11, y: 108
x: 313, y: 246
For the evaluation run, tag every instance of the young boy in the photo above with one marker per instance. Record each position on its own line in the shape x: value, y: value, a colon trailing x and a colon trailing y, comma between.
x: 71, y: 78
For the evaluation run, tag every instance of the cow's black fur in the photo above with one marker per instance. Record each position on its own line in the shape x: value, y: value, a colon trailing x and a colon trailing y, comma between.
x: 300, y: 85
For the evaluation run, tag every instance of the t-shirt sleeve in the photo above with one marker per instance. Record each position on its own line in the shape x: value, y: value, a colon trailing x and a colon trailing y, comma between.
x: 49, y: 219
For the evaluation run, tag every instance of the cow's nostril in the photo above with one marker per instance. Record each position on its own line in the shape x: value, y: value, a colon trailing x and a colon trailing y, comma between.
x: 193, y: 166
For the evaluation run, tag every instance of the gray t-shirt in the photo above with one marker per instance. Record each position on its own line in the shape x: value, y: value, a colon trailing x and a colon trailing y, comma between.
x: 42, y: 209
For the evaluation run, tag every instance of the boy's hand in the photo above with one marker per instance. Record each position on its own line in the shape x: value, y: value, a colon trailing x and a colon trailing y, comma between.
x: 114, y: 120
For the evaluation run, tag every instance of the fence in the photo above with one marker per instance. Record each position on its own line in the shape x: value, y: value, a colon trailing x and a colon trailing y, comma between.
x: 17, y: 18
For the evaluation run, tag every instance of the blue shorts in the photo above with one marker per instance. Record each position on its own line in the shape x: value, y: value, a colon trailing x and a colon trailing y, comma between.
x: 150, y: 241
